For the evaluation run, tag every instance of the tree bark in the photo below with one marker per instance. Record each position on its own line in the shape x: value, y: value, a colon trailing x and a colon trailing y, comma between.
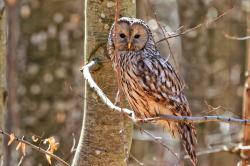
x: 246, y: 103
x: 2, y: 69
x: 12, y: 9
x: 106, y: 135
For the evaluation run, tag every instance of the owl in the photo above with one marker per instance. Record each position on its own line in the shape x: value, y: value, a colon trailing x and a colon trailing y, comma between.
x: 149, y: 82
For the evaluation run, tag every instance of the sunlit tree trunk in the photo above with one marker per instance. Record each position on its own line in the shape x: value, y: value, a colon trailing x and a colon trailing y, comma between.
x: 246, y: 101
x: 106, y: 135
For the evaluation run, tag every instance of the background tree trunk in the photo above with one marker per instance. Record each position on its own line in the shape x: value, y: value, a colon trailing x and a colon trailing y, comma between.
x: 106, y: 135
x: 2, y: 70
x: 11, y: 112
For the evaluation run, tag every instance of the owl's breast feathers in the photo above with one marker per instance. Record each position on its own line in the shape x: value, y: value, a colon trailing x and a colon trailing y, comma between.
x: 153, y: 79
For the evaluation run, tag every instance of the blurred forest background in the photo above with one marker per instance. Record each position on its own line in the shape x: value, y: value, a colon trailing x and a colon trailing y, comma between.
x: 46, y: 96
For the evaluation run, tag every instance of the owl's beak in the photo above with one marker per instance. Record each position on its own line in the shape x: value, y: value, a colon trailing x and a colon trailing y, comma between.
x: 129, y: 46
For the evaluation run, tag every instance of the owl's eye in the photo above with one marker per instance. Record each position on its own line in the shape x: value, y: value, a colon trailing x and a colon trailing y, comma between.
x: 137, y: 36
x: 122, y: 35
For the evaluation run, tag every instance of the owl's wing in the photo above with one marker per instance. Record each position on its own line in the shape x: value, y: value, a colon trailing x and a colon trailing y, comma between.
x: 159, y: 79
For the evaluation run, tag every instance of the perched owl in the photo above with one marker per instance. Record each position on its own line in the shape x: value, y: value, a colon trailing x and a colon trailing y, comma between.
x: 150, y: 83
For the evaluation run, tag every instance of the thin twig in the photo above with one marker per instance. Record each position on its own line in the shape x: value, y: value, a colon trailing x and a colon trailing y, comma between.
x: 135, y: 159
x: 158, y: 140
x: 73, y: 148
x: 236, y: 38
x: 232, y: 148
x: 205, y: 24
x: 164, y: 34
x: 37, y: 148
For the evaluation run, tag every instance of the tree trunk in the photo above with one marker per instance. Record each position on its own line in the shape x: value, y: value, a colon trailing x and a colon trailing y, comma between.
x: 2, y: 69
x: 12, y: 9
x: 246, y: 102
x: 106, y: 135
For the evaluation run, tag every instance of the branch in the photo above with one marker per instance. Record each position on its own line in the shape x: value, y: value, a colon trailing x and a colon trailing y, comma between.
x: 205, y: 24
x: 199, y: 119
x: 105, y: 99
x: 194, y: 119
x: 37, y: 148
x: 234, y: 148
x: 158, y: 140
x: 236, y: 38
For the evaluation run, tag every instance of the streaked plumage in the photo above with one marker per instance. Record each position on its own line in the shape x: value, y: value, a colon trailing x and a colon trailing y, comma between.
x: 149, y: 82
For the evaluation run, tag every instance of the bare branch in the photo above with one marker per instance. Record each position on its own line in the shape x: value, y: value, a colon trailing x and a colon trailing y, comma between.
x: 37, y: 148
x: 231, y: 148
x: 135, y: 159
x: 163, y: 32
x: 158, y: 140
x: 236, y: 38
x: 131, y: 115
x: 105, y: 99
x: 205, y: 24
x: 199, y: 119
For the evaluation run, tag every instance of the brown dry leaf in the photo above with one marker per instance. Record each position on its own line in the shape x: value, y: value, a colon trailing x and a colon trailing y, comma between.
x: 18, y: 146
x: 34, y: 139
x: 53, y: 146
x: 48, y: 158
x: 23, y: 149
x: 12, y: 138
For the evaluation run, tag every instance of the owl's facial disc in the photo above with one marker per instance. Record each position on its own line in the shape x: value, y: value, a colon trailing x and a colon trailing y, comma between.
x: 130, y: 38
x: 138, y: 37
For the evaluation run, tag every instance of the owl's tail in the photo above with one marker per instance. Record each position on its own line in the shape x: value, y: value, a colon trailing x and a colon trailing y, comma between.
x: 187, y: 133
x: 188, y: 138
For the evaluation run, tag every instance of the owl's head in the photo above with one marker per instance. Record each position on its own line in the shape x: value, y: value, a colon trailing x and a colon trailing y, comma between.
x: 130, y: 34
